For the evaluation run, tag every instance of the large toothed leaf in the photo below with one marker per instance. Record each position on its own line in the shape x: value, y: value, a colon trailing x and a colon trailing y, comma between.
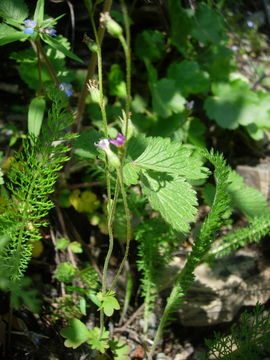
x: 173, y: 197
x: 162, y: 155
x: 13, y: 9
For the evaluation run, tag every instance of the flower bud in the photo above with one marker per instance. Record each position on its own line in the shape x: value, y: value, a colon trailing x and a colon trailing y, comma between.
x: 94, y: 91
x: 113, y: 28
x: 113, y: 159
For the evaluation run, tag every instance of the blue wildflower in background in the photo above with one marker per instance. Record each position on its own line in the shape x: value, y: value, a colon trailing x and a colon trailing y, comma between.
x: 29, y: 26
x: 50, y: 31
x: 67, y: 88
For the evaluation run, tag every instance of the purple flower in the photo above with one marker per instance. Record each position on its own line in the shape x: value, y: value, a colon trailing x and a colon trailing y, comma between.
x: 104, y: 144
x: 50, y: 31
x: 67, y: 88
x: 29, y: 26
x: 119, y: 141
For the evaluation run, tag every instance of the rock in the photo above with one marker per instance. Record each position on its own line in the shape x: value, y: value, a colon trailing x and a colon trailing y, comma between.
x: 258, y: 177
x: 218, y: 292
x: 185, y: 352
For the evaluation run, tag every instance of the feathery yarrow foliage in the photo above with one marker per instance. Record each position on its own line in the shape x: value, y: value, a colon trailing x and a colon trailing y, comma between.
x: 249, y: 340
x: 31, y: 179
x: 254, y: 232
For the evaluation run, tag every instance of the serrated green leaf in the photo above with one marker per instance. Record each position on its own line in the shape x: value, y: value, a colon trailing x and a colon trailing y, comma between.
x: 173, y: 197
x: 76, y: 334
x: 150, y: 45
x: 233, y: 104
x: 8, y: 34
x: 76, y: 247
x: 208, y: 25
x: 131, y: 174
x: 39, y: 12
x: 136, y: 146
x: 248, y: 200
x: 162, y: 155
x: 181, y: 25
x: 13, y: 9
x: 189, y: 78
x: 85, y: 144
x: 98, y: 342
x: 35, y: 115
x: 55, y: 44
x: 166, y: 98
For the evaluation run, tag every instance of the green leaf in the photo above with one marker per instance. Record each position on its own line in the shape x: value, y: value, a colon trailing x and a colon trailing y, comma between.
x: 150, y: 45
x: 167, y: 98
x: 219, y: 62
x: 85, y: 144
x: 208, y: 26
x: 117, y: 84
x: 35, y: 115
x: 8, y: 34
x: 196, y: 133
x: 39, y: 12
x: 62, y: 244
x: 13, y: 9
x: 131, y: 174
x: 65, y: 272
x: 55, y: 44
x: 109, y: 303
x: 233, y: 104
x: 162, y: 155
x: 120, y: 349
x: 76, y: 247
x: 189, y: 78
x: 98, y: 342
x: 173, y: 197
x: 76, y: 334
x: 181, y: 25
x: 248, y: 200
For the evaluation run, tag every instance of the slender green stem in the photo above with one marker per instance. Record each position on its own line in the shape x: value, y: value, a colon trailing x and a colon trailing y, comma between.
x: 127, y: 51
x: 39, y: 91
x: 91, y: 70
x: 100, y: 79
x: 124, y: 196
x: 47, y: 63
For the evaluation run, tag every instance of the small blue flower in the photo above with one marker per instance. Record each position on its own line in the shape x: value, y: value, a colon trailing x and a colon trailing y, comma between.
x: 30, y: 23
x: 50, y: 31
x: 29, y: 26
x: 28, y: 31
x: 250, y: 24
x: 67, y: 88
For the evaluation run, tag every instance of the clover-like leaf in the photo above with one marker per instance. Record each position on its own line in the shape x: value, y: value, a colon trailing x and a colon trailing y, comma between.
x: 109, y: 303
x: 76, y: 334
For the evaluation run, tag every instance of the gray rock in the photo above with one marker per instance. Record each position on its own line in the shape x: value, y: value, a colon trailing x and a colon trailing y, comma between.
x: 218, y: 292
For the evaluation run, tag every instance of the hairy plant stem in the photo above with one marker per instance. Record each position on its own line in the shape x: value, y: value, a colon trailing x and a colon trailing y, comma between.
x: 39, y: 91
x: 91, y: 70
x: 127, y: 50
x: 124, y: 196
x: 39, y: 50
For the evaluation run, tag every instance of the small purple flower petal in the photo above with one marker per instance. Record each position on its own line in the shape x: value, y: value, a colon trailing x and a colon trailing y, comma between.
x: 67, y: 88
x: 28, y: 31
x: 50, y: 31
x: 30, y: 23
x: 119, y: 141
x: 103, y: 144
